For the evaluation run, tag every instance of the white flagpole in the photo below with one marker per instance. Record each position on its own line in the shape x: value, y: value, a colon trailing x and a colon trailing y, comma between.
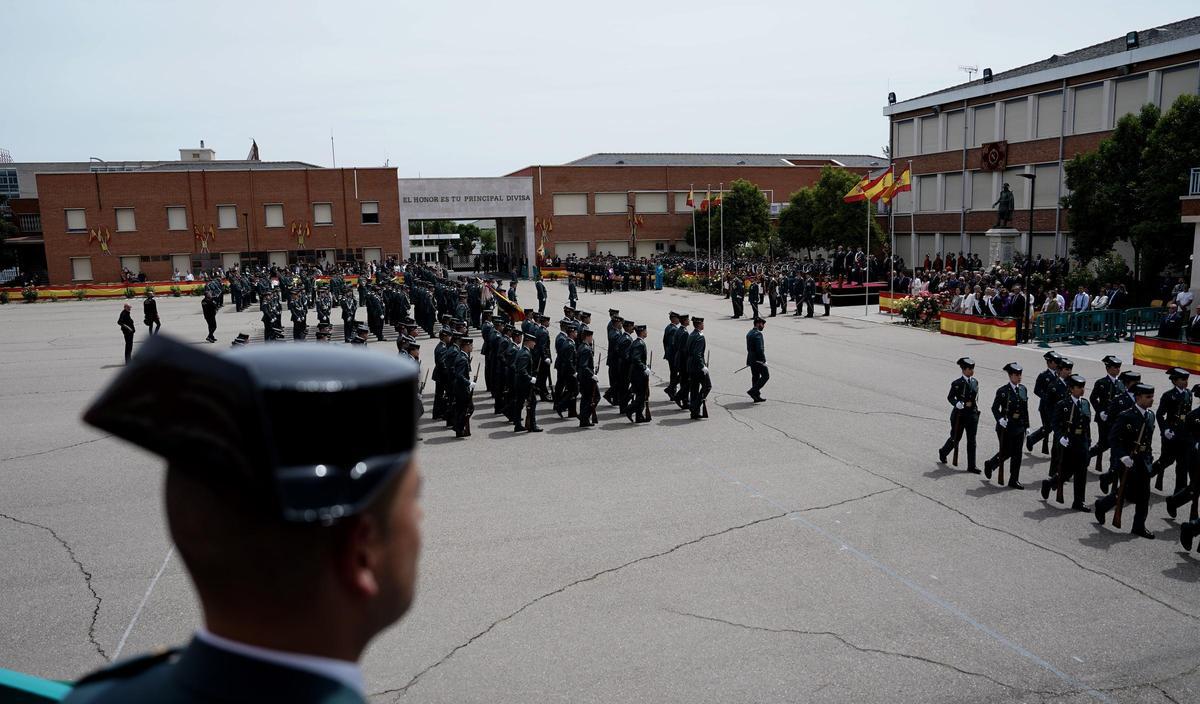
x: 708, y: 214
x: 721, y: 217
x: 695, y: 235
x: 892, y: 257
x: 867, y: 251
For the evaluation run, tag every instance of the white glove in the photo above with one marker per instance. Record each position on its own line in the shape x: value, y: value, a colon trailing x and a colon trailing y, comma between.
x: 595, y: 377
x: 1127, y: 461
x: 704, y: 371
x: 547, y: 360
x: 764, y: 364
x: 1169, y: 434
x: 1003, y: 422
x: 470, y: 386
x: 1103, y: 415
x: 532, y: 380
x: 959, y: 405
x: 1065, y: 442
x: 647, y: 371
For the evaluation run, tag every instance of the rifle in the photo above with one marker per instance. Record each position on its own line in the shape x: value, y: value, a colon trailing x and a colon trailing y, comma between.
x: 595, y: 391
x: 646, y: 381
x: 1124, y: 481
x: 743, y: 368
x: 421, y: 389
x: 1062, y: 476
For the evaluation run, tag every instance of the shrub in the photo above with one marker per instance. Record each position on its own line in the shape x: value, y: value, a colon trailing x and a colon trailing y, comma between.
x: 79, y: 294
x: 176, y: 291
x: 3, y: 297
x: 30, y: 294
x: 150, y: 289
x: 129, y: 292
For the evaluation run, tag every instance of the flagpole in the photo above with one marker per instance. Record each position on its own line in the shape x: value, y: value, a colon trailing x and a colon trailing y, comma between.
x: 695, y: 235
x: 721, y: 217
x: 866, y: 259
x: 892, y: 234
x: 708, y: 214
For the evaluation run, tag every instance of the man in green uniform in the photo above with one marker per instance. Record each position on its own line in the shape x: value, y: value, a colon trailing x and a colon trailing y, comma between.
x: 1173, y: 408
x: 522, y: 404
x: 585, y: 372
x: 756, y: 359
x: 1073, y: 434
x: 1130, y: 437
x: 1011, y: 411
x: 697, y: 370
x: 1043, y: 389
x: 964, y: 418
x: 300, y: 553
x: 1102, y: 394
x: 639, y: 376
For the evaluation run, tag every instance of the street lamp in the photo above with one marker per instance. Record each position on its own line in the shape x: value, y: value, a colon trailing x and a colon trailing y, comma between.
x: 1029, y: 251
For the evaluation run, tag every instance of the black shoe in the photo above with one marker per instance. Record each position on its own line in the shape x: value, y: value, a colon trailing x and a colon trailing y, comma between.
x: 1099, y: 513
x: 518, y: 428
x: 759, y: 399
x: 973, y: 470
x: 585, y: 424
x: 670, y: 394
x: 1186, y: 533
x: 1045, y: 490
x: 1080, y: 507
x: 642, y: 419
x: 1029, y: 444
x: 535, y: 429
x: 1143, y: 532
x: 1015, y: 485
x: 1104, y: 481
x: 1172, y: 509
x: 989, y: 466
x: 697, y: 416
x: 559, y: 412
x: 941, y: 457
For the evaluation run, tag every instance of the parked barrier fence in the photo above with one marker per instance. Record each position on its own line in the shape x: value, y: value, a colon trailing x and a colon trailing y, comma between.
x: 1095, y: 325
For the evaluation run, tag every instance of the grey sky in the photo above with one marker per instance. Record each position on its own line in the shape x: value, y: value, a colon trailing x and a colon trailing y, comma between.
x: 484, y: 88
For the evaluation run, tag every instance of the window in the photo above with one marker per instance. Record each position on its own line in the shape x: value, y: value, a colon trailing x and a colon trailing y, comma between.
x: 227, y: 217
x: 133, y: 264
x: 985, y: 125
x: 953, y: 186
x: 570, y: 204
x: 983, y: 195
x: 1013, y: 178
x: 370, y: 213
x: 1016, y: 120
x: 650, y: 202
x: 77, y: 222
x: 1131, y: 95
x: 273, y: 215
x: 681, y: 205
x: 8, y: 183
x: 903, y: 202
x: 929, y: 135
x: 904, y: 138
x: 81, y: 268
x: 1045, y: 193
x: 955, y: 123
x: 181, y: 263
x: 927, y: 193
x: 608, y: 203
x: 176, y: 218
x: 1087, y: 116
x: 125, y: 221
x: 1049, y: 115
x: 1176, y: 82
x: 30, y: 223
x: 322, y: 214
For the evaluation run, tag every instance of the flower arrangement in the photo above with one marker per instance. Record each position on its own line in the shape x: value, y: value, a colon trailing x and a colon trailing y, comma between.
x: 30, y: 294
x: 176, y: 291
x: 79, y: 294
x: 924, y: 309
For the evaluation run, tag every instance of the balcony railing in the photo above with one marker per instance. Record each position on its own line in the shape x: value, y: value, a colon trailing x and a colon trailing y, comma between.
x: 1194, y: 183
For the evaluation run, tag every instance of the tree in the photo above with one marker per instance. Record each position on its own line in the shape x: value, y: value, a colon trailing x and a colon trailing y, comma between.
x: 817, y: 217
x: 747, y: 217
x: 468, y: 236
x: 1128, y: 189
x: 487, y: 237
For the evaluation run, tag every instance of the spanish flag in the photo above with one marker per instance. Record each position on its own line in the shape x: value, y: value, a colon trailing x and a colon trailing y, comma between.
x: 856, y: 193
x: 717, y: 200
x: 508, y: 307
x: 879, y: 186
x: 691, y: 201
x: 902, y: 183
x: 707, y: 199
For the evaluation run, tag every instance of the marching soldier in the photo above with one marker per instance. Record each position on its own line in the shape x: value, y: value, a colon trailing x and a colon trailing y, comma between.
x: 756, y: 359
x: 1120, y: 403
x: 585, y: 372
x: 1191, y: 458
x: 464, y: 387
x: 698, y: 381
x: 441, y: 380
x: 1173, y: 408
x: 1056, y: 391
x: 1011, y: 411
x: 1102, y: 394
x: 572, y: 291
x: 349, y: 311
x: 681, y: 364
x: 324, y: 306
x: 639, y: 376
x: 669, y: 353
x: 523, y: 404
x: 620, y: 353
x: 613, y: 330
x: 1073, y: 433
x: 487, y: 331
x: 541, y: 329
x: 1131, y: 434
x: 567, y: 385
x: 964, y: 418
x: 299, y: 317
x: 1043, y: 388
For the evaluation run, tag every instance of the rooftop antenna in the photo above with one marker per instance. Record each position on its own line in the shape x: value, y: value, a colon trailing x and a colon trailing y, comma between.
x: 332, y: 150
x: 971, y: 71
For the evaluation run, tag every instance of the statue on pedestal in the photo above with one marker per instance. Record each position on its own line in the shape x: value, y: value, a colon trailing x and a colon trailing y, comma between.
x: 1006, y: 204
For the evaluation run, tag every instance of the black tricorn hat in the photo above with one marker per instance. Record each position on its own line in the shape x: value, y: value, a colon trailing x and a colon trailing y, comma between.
x: 239, y: 417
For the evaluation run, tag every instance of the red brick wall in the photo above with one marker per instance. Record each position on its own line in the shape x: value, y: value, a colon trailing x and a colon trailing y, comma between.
x: 548, y: 180
x: 150, y: 193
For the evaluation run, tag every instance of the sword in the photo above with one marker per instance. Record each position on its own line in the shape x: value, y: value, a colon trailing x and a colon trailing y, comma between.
x: 745, y: 367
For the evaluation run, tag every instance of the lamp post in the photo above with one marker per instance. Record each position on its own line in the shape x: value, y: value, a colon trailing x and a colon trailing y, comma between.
x: 1029, y: 252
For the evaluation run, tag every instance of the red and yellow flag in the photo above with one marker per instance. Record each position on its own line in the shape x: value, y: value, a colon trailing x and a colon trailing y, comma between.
x: 856, y: 193
x: 879, y: 186
x: 707, y: 199
x: 717, y: 200
x: 691, y: 201
x: 902, y: 183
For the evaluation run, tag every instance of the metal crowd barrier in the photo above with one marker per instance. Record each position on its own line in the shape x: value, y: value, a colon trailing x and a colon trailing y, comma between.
x: 1052, y: 327
x: 1142, y: 320
x: 1107, y: 325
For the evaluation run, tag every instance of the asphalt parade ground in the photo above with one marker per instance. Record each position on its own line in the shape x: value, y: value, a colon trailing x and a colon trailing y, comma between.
x: 810, y: 548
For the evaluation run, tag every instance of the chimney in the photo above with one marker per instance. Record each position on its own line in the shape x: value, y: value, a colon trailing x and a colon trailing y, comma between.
x: 202, y: 144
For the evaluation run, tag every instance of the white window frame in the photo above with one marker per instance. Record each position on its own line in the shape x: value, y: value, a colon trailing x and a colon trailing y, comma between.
x: 89, y: 261
x: 624, y: 202
x: 554, y: 205
x: 222, y: 206
x: 267, y: 218
x: 169, y: 208
x: 67, y: 219
x: 318, y: 223
x: 666, y: 205
x: 132, y: 215
x: 362, y: 212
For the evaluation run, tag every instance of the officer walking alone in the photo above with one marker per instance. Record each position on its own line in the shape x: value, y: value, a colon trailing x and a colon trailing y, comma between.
x: 756, y: 359
x: 125, y: 322
x: 964, y: 418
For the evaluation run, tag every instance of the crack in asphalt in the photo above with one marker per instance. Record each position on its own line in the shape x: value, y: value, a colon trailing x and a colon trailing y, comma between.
x: 87, y: 578
x: 54, y: 449
x: 973, y: 521
x: 843, y: 410
x: 847, y: 501
x: 862, y: 649
x: 732, y: 414
x: 404, y: 689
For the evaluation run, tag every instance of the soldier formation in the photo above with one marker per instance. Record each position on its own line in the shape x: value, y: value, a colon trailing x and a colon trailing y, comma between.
x: 1122, y: 408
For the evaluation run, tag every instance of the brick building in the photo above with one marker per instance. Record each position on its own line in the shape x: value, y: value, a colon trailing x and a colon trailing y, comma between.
x: 1039, y: 115
x: 162, y: 217
x: 589, y: 200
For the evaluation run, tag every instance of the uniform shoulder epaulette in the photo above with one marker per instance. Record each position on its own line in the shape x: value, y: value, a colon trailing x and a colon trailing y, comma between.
x: 131, y: 667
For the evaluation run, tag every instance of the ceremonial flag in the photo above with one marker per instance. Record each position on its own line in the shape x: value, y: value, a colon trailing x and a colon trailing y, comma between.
x: 691, y: 201
x: 510, y: 309
x: 878, y: 186
x: 856, y: 193
x: 902, y: 183
x: 717, y: 200
x: 537, y: 224
x: 704, y: 203
x: 548, y: 225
